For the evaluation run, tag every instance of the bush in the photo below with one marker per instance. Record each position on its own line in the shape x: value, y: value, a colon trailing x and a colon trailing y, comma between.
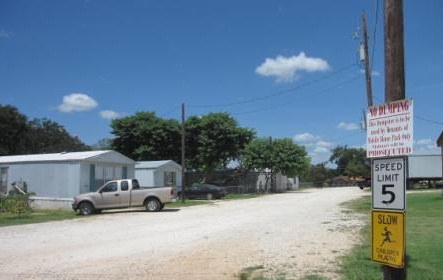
x: 16, y: 204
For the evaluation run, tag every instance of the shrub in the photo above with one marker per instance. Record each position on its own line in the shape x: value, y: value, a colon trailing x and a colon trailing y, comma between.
x: 17, y: 204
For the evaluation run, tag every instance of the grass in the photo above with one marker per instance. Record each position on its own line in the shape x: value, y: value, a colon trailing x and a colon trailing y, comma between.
x: 187, y: 203
x: 233, y: 196
x: 314, y: 277
x: 256, y: 273
x: 39, y: 216
x: 424, y: 245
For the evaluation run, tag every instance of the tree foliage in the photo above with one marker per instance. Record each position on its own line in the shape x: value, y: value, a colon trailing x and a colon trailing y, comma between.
x: 46, y: 136
x: 279, y: 155
x: 318, y: 175
x: 14, y: 128
x: 350, y: 161
x: 213, y: 140
x: 102, y: 144
x: 144, y: 136
x: 21, y: 136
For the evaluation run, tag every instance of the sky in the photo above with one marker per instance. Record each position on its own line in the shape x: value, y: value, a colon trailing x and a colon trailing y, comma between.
x: 287, y: 69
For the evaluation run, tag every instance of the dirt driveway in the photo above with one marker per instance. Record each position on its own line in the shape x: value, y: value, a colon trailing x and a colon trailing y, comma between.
x: 290, y: 235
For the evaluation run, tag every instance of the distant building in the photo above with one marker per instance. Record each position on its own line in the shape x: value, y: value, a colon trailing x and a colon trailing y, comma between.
x: 158, y: 173
x: 56, y: 178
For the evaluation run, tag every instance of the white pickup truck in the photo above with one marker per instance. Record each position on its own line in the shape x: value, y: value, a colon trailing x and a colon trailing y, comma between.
x: 123, y: 194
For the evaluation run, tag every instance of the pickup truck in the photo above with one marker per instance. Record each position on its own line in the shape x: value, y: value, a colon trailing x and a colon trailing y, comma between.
x: 123, y: 194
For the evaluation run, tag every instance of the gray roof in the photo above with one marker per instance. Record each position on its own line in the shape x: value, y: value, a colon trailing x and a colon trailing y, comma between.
x: 73, y: 156
x: 154, y: 164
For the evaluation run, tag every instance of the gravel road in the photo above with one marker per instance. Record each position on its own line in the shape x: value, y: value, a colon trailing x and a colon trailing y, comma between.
x: 290, y: 235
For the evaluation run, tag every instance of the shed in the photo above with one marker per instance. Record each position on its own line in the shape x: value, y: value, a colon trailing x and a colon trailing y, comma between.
x: 158, y: 173
x: 61, y: 176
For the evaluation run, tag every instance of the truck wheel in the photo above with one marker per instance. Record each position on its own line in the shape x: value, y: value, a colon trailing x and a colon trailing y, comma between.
x: 86, y: 208
x: 152, y: 205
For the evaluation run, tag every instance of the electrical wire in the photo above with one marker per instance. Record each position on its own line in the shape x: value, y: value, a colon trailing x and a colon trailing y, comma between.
x: 428, y: 120
x: 298, y: 98
x: 286, y: 91
x: 175, y: 109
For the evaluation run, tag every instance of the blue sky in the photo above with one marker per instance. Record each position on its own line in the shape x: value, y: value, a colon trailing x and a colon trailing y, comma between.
x: 283, y: 68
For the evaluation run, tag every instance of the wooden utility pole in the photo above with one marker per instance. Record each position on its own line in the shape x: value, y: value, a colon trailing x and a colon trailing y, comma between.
x: 366, y: 62
x: 394, y: 82
x: 183, y: 194
x: 394, y: 51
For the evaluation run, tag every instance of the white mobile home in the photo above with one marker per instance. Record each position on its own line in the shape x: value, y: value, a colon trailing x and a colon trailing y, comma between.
x: 62, y: 176
x: 158, y: 173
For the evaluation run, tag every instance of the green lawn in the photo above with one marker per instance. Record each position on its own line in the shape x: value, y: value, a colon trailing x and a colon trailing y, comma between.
x: 424, y: 240
x: 40, y: 216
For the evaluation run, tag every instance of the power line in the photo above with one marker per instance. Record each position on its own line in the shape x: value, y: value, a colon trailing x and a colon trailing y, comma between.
x: 428, y: 120
x: 175, y: 109
x: 286, y: 91
x: 298, y: 98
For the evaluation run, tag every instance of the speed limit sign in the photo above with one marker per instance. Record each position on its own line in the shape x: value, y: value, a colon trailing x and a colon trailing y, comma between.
x: 389, y: 183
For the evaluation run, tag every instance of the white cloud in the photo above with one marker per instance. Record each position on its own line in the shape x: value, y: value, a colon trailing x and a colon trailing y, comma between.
x: 348, y: 126
x: 321, y: 150
x: 77, y: 102
x: 287, y: 68
x: 4, y: 34
x: 324, y: 144
x: 305, y: 137
x: 424, y: 142
x: 425, y: 147
x: 109, y: 115
x: 318, y: 150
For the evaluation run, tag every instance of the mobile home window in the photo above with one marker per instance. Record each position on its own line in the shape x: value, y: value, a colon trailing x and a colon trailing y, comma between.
x: 170, y: 179
x: 3, y: 180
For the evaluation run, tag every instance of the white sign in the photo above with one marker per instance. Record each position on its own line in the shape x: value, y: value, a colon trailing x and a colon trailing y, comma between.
x: 389, y: 183
x: 389, y: 129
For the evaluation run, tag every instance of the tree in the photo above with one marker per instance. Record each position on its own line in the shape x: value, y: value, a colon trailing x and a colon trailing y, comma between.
x: 318, y: 174
x: 20, y: 136
x: 350, y: 161
x: 103, y: 144
x: 280, y: 156
x: 14, y: 128
x: 144, y: 136
x: 46, y: 136
x: 213, y: 140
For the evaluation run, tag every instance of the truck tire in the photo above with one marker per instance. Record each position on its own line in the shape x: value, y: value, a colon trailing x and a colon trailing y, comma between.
x: 85, y: 208
x: 152, y: 205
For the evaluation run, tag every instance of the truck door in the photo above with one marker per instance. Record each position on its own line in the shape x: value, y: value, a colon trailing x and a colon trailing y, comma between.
x: 109, y: 196
x: 125, y: 194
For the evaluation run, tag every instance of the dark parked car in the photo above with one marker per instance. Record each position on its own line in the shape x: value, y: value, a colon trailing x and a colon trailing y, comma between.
x: 204, y: 191
x: 365, y: 183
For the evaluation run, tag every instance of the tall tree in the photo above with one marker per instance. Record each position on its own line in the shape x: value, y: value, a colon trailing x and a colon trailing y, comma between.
x: 46, y: 136
x: 318, y: 174
x: 144, y: 136
x: 20, y: 136
x: 102, y: 144
x: 279, y: 155
x: 350, y: 161
x: 213, y: 140
x: 14, y: 128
